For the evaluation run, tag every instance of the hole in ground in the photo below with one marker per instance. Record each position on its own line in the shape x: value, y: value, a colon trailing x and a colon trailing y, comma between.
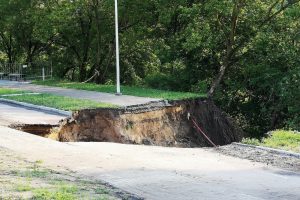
x: 43, y: 130
x: 149, y: 124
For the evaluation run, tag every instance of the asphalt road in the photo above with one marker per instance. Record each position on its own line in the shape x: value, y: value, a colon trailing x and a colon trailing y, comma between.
x: 11, y: 114
x: 158, y: 172
x: 123, y: 100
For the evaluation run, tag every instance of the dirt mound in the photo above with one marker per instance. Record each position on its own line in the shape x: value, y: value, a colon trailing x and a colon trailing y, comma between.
x: 160, y: 123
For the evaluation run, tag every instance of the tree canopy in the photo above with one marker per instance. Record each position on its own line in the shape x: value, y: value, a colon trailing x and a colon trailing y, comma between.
x: 244, y: 54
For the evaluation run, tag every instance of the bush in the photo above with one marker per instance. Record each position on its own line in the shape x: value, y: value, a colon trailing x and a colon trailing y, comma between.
x: 161, y: 81
x: 279, y: 139
x: 251, y: 141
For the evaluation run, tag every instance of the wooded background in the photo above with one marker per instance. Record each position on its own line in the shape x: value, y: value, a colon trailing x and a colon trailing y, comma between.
x: 243, y: 54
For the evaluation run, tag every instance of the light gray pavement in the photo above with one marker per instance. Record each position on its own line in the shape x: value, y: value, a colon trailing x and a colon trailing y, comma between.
x: 158, y: 172
x: 10, y: 114
x: 123, y: 100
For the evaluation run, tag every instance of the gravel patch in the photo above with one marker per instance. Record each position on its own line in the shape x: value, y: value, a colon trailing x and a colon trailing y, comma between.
x: 265, y: 156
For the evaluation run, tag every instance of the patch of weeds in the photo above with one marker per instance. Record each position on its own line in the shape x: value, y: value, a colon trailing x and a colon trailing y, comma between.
x: 63, y: 192
x: 101, y: 190
x: 103, y: 198
x: 31, y: 173
x: 40, y: 194
x: 72, y: 189
x: 38, y: 162
x: 40, y: 173
x: 251, y: 141
x: 35, y: 171
x: 30, y: 179
x: 279, y: 139
x: 23, y: 187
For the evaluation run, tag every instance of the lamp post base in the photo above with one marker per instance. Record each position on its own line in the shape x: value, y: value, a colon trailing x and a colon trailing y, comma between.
x: 118, y: 94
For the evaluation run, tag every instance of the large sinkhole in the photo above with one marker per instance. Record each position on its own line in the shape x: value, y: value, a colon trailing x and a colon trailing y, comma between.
x: 158, y: 123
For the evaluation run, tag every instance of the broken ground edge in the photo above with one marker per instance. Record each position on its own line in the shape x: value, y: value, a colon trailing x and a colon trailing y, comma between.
x: 163, y: 123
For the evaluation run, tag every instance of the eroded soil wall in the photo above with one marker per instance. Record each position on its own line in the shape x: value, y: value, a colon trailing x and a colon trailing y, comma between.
x: 163, y: 123
x: 43, y: 130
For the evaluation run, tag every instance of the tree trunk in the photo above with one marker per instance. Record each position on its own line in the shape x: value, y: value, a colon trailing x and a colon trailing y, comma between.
x: 82, y: 72
x: 229, y: 49
x: 217, y: 81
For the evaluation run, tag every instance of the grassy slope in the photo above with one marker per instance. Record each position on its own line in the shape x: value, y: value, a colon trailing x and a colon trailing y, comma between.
x: 126, y: 90
x: 280, y: 139
x: 54, y: 101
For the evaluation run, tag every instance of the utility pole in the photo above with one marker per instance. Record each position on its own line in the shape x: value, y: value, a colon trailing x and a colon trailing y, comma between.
x: 117, y: 50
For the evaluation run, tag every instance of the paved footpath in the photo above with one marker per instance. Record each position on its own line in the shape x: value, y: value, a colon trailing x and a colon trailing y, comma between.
x: 123, y: 100
x: 158, y: 172
x: 11, y: 114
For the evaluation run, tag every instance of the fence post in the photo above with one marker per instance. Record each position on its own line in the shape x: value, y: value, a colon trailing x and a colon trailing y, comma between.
x: 43, y: 72
x: 51, y: 70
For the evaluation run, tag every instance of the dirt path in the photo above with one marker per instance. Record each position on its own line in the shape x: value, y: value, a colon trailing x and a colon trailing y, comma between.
x: 158, y: 172
x: 124, y: 100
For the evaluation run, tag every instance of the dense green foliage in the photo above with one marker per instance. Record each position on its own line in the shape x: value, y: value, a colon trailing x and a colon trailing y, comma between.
x: 280, y: 139
x: 244, y: 54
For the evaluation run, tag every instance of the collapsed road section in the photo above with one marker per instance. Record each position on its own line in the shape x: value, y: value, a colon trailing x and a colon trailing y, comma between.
x: 30, y: 120
x: 182, y: 123
x: 157, y: 123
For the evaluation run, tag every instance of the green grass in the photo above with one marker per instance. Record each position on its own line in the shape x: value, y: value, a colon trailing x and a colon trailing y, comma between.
x: 126, y: 90
x: 280, y: 139
x: 60, y: 102
x: 54, y: 101
x: 64, y: 192
x: 6, y: 91
x: 23, y: 187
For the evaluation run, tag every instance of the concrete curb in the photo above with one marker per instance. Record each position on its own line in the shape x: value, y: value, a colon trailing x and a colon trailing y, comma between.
x: 278, y: 151
x: 36, y: 107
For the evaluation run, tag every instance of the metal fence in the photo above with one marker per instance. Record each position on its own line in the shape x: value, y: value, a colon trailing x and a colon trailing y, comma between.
x: 28, y: 71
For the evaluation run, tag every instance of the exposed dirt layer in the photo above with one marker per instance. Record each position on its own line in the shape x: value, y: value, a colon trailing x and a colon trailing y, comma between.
x: 158, y: 123
x: 264, y: 156
x: 43, y: 130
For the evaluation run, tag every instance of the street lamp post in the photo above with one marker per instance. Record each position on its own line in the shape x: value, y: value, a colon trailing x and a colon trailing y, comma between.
x: 117, y: 50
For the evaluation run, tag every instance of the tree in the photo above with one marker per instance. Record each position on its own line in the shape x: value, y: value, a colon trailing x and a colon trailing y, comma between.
x: 236, y: 44
x: 243, y: 54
